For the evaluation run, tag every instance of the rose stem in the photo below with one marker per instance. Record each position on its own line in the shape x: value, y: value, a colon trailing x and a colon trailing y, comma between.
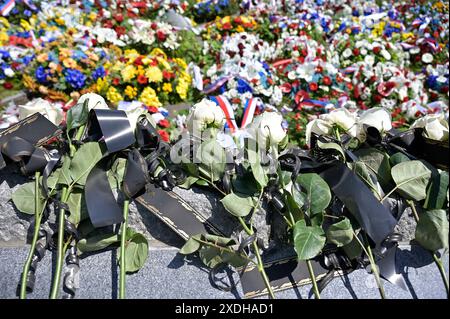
x: 313, y: 279
x: 122, y: 249
x: 37, y: 225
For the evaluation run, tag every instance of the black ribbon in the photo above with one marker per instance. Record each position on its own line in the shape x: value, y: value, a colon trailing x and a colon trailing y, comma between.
x: 112, y: 128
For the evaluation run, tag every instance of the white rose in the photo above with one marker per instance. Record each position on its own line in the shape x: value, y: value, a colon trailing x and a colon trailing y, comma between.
x: 414, y: 50
x: 95, y: 101
x: 317, y: 126
x: 53, y: 113
x: 269, y: 128
x: 377, y: 117
x: 342, y: 118
x: 435, y: 126
x: 203, y: 115
x: 427, y: 58
x: 133, y: 110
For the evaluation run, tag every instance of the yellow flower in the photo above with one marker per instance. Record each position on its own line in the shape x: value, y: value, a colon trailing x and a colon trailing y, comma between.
x: 167, y: 87
x: 5, y: 22
x: 60, y: 21
x: 149, y: 98
x: 41, y: 58
x: 239, y: 28
x: 130, y: 91
x: 24, y: 24
x: 181, y: 63
x: 70, y: 63
x: 407, y: 35
x: 182, y: 88
x: 164, y: 63
x: 146, y: 61
x: 92, y: 16
x: 3, y: 37
x: 158, y: 52
x: 154, y: 74
x: 113, y: 95
x: 131, y: 54
x: 128, y: 73
x: 102, y: 85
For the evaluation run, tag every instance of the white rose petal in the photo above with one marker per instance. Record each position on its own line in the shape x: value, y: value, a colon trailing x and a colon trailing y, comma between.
x: 203, y: 115
x: 377, y: 117
x: 435, y: 127
x: 95, y: 101
x: 269, y: 128
x: 427, y: 58
x: 52, y: 112
x: 317, y: 126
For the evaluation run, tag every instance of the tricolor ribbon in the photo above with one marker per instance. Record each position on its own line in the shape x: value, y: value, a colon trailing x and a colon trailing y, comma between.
x: 6, y: 7
x: 217, y: 84
x: 225, y: 105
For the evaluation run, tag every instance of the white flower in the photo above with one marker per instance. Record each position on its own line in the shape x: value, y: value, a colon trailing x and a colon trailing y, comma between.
x: 9, y: 72
x: 414, y: 50
x: 53, y: 113
x: 133, y: 110
x: 369, y: 59
x: 343, y: 119
x: 203, y: 115
x: 378, y: 118
x: 319, y: 127
x: 427, y: 58
x: 435, y: 126
x: 385, y: 54
x: 347, y: 53
x: 95, y: 101
x: 269, y: 128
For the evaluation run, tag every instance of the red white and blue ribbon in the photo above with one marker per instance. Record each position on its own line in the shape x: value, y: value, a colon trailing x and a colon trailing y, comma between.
x: 217, y: 84
x: 6, y: 7
x: 225, y: 105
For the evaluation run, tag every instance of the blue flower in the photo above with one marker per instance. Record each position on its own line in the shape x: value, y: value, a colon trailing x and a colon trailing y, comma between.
x: 41, y: 74
x: 243, y: 86
x: 28, y: 13
x: 75, y: 78
x: 98, y: 73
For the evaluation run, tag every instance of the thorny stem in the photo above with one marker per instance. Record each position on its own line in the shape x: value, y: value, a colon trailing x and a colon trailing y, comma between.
x: 60, y: 250
x: 373, y: 266
x: 122, y: 249
x: 37, y: 224
x: 437, y: 260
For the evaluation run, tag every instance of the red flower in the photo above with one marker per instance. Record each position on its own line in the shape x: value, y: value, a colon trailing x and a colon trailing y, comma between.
x: 142, y: 79
x: 164, y: 135
x: 313, y: 86
x: 377, y: 98
x: 227, y: 26
x: 304, y: 52
x: 164, y: 123
x: 319, y: 69
x: 152, y: 109
x: 167, y: 75
x: 160, y: 35
x: 116, y: 81
x: 376, y: 50
x: 138, y: 61
x: 154, y: 26
x: 356, y: 51
x: 8, y: 85
x: 385, y: 88
x: 326, y: 80
x: 120, y: 30
x: 236, y: 100
x: 118, y: 17
x: 286, y: 88
x: 300, y: 96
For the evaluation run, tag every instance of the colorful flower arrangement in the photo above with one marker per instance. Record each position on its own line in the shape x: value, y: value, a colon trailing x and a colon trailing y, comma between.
x: 154, y: 79
x: 64, y: 69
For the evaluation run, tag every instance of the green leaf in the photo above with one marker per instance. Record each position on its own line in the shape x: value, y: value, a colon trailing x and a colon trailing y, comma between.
x: 77, y: 206
x: 202, y: 182
x: 188, y: 182
x: 24, y: 198
x: 64, y: 176
x: 318, y: 192
x: 98, y: 241
x: 398, y: 158
x: 77, y: 115
x: 245, y: 184
x: 191, y: 246
x: 84, y: 161
x: 411, y: 179
x: 52, y: 180
x: 437, y: 192
x: 257, y: 170
x: 332, y: 146
x: 363, y: 172
x: 136, y: 251
x: 377, y: 162
x: 239, y: 205
x: 432, y: 230
x: 308, y: 240
x: 212, y: 159
x: 353, y: 249
x: 340, y: 233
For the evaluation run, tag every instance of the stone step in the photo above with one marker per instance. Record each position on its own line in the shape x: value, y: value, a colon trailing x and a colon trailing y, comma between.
x: 168, y: 274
